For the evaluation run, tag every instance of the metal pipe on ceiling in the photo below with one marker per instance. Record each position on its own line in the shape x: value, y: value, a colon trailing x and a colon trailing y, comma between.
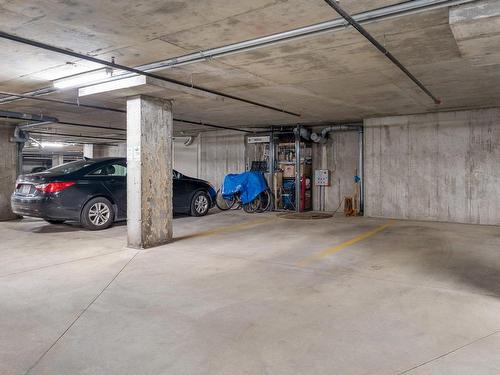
x: 213, y: 126
x: 26, y: 116
x: 322, y: 136
x: 380, y: 14
x: 40, y: 120
x: 65, y: 102
x: 114, y: 110
x: 22, y: 132
x: 381, y: 48
x: 75, y: 124
x: 114, y: 65
x: 78, y: 136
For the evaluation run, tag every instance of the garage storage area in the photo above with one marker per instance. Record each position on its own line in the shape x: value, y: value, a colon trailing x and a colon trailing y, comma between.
x: 265, y: 187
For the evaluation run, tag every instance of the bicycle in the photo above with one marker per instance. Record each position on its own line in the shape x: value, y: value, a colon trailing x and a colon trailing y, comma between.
x: 261, y: 203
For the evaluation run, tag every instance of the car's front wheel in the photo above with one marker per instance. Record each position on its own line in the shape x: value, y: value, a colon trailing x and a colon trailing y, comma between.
x: 97, y: 214
x: 200, y: 204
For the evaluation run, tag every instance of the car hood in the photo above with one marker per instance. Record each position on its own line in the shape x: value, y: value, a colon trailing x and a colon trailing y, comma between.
x: 186, y: 178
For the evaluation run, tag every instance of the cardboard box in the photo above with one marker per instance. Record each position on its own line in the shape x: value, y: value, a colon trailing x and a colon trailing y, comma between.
x: 288, y: 171
x: 306, y: 170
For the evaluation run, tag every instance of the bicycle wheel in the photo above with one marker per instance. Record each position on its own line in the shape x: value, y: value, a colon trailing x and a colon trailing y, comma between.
x: 266, y: 200
x: 224, y: 203
x: 236, y: 205
x: 253, y: 206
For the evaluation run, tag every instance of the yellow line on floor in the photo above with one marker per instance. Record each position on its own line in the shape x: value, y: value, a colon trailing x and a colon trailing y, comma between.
x: 226, y: 229
x: 343, y: 245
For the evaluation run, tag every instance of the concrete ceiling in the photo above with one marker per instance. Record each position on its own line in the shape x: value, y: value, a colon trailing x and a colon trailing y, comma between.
x: 334, y: 76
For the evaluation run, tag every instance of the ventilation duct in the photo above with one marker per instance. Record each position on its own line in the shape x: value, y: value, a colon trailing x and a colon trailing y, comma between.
x: 322, y: 136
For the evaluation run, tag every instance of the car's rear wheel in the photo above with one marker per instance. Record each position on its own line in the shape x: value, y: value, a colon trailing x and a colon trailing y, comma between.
x: 50, y: 221
x: 97, y: 214
x: 200, y: 204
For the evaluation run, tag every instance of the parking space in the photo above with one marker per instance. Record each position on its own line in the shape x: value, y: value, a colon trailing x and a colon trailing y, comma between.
x: 237, y: 298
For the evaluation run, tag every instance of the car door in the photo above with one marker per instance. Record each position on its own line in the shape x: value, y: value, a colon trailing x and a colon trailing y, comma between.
x: 114, y: 178
x: 181, y: 193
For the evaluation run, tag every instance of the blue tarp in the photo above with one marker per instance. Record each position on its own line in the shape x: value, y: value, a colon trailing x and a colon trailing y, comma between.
x: 248, y: 184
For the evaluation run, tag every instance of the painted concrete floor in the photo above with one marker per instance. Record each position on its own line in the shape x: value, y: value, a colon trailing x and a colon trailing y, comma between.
x: 252, y: 294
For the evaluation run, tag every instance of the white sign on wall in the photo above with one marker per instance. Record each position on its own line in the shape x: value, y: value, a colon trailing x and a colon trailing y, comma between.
x: 261, y: 139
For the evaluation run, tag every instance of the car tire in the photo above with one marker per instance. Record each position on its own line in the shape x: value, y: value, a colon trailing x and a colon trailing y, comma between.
x: 200, y: 204
x: 97, y: 214
x: 50, y: 221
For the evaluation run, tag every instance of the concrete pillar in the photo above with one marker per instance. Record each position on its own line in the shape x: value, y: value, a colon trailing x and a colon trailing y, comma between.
x: 8, y: 160
x: 57, y: 159
x: 149, y: 171
x: 88, y: 151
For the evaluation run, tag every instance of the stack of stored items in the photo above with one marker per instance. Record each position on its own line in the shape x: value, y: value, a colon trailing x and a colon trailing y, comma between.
x: 285, y: 177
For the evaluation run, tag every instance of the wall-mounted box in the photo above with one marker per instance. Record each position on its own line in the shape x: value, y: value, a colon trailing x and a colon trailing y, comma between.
x: 322, y: 177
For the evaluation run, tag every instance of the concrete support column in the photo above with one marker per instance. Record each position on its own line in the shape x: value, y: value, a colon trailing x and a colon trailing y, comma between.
x: 57, y: 159
x: 8, y: 160
x: 88, y: 151
x: 149, y: 171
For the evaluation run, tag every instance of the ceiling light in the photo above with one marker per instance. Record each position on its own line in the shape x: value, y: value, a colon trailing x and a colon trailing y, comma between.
x: 52, y: 144
x: 83, y: 79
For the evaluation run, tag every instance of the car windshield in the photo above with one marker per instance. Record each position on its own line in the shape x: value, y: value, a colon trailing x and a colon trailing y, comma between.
x: 70, y: 167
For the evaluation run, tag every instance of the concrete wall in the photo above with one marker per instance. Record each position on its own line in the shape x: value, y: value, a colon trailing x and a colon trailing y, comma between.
x: 211, y: 156
x: 186, y: 157
x: 440, y: 167
x: 220, y: 153
x: 340, y: 156
x: 7, y: 170
x: 103, y: 151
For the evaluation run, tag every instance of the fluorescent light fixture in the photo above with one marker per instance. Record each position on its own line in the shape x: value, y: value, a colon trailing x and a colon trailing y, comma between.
x: 52, y: 144
x: 83, y: 79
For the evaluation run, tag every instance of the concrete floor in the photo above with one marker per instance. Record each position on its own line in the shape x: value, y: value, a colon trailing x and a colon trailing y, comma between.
x: 252, y: 294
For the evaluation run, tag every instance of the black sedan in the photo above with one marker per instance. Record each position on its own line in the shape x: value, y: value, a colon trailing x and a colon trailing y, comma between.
x: 94, y: 193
